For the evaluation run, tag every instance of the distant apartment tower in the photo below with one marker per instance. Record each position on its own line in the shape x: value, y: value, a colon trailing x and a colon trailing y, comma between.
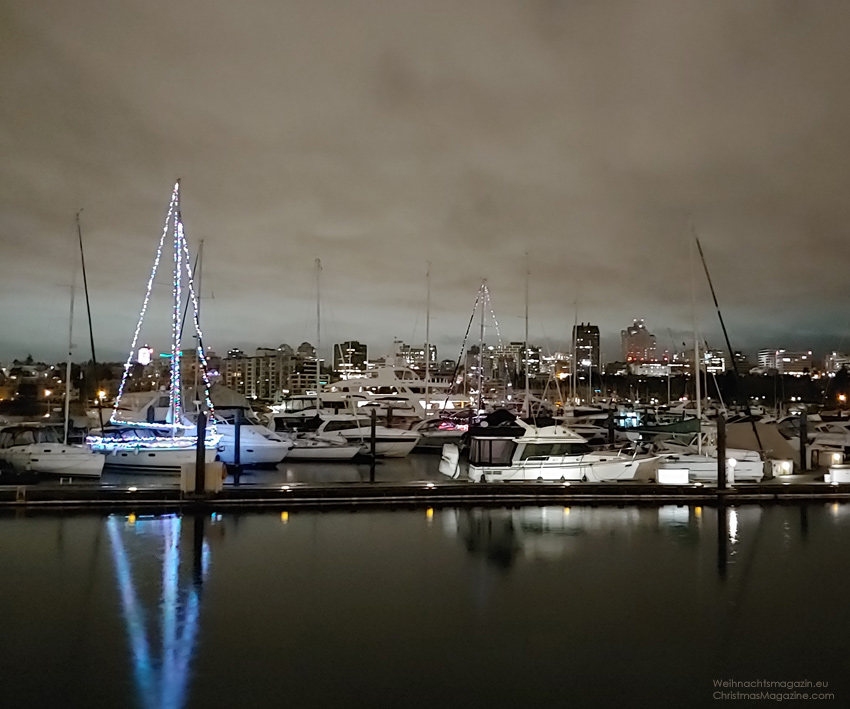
x: 836, y: 360
x: 414, y: 357
x: 638, y: 343
x: 767, y: 359
x: 786, y: 361
x: 714, y: 361
x: 795, y: 363
x: 349, y: 358
x: 586, y: 339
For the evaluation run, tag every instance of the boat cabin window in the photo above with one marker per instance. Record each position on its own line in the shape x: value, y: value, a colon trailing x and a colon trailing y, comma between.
x: 491, y: 451
x: 5, y: 439
x: 346, y: 425
x: 23, y: 437
x: 295, y: 405
x: 545, y: 450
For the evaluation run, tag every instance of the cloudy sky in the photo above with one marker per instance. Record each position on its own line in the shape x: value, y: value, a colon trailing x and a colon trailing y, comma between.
x: 379, y: 135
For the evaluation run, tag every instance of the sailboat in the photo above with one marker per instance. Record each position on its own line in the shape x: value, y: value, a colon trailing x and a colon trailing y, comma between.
x: 154, y: 446
x: 35, y: 447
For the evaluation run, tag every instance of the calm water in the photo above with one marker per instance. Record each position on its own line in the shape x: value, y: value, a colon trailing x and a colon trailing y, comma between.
x: 528, y: 607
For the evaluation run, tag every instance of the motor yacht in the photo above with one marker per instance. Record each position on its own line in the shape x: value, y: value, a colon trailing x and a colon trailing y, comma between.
x: 389, y: 442
x: 506, y: 448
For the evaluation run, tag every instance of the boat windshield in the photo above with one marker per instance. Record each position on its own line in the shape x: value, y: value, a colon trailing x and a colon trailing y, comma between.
x: 547, y: 450
x: 491, y: 451
x: 346, y: 425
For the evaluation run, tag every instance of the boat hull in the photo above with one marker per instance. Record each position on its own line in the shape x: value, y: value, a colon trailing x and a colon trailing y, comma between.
x: 318, y: 451
x: 703, y: 468
x: 385, y: 446
x: 55, y: 459
x: 154, y: 460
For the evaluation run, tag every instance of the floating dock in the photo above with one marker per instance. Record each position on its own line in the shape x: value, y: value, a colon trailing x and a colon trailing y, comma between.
x: 413, y: 494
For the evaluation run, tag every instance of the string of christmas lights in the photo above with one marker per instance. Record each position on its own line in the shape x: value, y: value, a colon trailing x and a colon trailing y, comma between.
x: 128, y: 363
x: 176, y: 291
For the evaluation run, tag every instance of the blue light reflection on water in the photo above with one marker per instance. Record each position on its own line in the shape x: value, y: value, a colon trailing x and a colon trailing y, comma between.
x: 162, y: 682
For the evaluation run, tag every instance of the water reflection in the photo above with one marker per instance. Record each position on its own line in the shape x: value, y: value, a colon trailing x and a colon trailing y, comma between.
x: 162, y: 677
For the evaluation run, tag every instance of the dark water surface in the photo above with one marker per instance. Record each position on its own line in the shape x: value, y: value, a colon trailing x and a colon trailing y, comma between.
x: 526, y: 607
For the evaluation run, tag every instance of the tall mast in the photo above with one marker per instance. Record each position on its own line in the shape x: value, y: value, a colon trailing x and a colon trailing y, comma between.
x: 574, y: 378
x: 526, y: 406
x: 91, y: 333
x: 697, y: 366
x: 481, y: 347
x: 177, y: 297
x: 428, y: 341
x: 197, y: 274
x: 318, y: 328
x: 70, y: 349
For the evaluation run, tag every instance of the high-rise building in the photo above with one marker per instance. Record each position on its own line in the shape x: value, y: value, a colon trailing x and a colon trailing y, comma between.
x: 714, y: 361
x: 638, y: 343
x: 836, y: 360
x: 349, y: 358
x: 586, y: 339
x: 767, y: 359
x: 414, y: 357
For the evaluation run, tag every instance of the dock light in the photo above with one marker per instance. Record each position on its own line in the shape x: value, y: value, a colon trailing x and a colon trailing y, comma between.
x: 697, y: 484
x: 47, y: 393
x: 133, y: 489
x: 101, y: 395
x: 430, y: 486
x: 733, y: 462
x: 566, y: 484
x: 285, y: 488
x: 842, y: 397
x: 837, y: 458
x: 835, y: 483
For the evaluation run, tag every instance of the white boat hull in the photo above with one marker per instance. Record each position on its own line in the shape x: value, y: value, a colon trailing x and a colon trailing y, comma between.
x: 703, y: 468
x: 154, y: 460
x: 321, y: 450
x: 55, y: 459
x: 591, y: 467
x: 396, y: 446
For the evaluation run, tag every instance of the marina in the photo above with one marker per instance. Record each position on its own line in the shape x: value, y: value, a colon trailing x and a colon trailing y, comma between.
x: 482, y: 354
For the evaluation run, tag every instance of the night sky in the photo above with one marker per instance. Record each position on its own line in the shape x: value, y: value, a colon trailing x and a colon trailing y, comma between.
x: 380, y: 135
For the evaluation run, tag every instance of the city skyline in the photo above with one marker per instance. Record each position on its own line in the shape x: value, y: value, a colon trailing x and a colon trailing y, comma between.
x: 461, y: 135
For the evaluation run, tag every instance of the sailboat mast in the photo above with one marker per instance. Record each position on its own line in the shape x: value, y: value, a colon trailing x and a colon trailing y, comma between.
x: 70, y: 349
x: 88, y: 311
x: 177, y: 294
x: 481, y: 347
x: 318, y: 328
x: 428, y: 340
x: 197, y: 275
x: 697, y: 365
x: 526, y: 406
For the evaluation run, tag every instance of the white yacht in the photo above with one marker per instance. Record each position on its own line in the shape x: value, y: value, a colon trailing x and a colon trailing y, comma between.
x: 741, y: 465
x: 36, y: 448
x: 517, y: 450
x: 356, y: 430
x: 399, y: 390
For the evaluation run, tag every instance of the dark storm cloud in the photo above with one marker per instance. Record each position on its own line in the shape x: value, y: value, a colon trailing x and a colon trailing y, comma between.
x: 381, y: 135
